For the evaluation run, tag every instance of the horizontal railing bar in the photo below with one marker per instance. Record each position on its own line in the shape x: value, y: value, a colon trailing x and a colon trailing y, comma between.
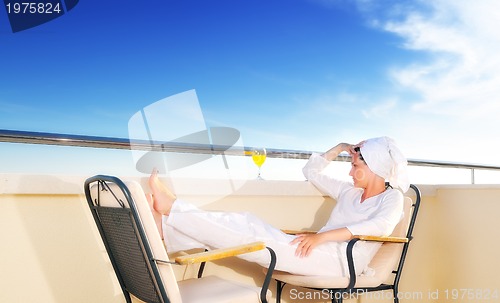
x: 26, y: 137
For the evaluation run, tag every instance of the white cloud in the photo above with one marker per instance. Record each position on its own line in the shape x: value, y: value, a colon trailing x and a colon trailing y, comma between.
x: 380, y: 110
x: 462, y: 37
x: 448, y: 98
x: 444, y: 104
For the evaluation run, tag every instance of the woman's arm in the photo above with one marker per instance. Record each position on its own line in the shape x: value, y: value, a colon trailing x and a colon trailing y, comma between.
x: 307, y: 242
x: 333, y: 152
x: 313, y: 170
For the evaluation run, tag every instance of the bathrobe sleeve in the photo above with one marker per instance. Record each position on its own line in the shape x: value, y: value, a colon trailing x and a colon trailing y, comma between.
x: 313, y: 171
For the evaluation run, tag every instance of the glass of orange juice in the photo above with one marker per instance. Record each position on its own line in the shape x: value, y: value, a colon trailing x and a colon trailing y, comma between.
x: 259, y: 157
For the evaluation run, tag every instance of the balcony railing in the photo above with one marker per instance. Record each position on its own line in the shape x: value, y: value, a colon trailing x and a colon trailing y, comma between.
x: 14, y: 136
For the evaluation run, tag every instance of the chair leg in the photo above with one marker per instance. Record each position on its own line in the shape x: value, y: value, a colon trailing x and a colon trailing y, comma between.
x: 279, y: 288
x: 395, y: 293
x: 336, y: 297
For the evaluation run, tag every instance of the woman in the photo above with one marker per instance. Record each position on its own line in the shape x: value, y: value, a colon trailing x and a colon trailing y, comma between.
x: 367, y: 206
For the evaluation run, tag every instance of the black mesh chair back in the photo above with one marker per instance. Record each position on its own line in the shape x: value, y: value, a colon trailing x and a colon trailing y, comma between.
x: 116, y: 216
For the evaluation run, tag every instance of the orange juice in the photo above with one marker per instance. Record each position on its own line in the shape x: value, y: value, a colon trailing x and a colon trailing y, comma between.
x: 258, y: 159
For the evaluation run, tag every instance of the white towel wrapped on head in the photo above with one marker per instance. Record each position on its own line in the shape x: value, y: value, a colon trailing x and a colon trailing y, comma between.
x: 385, y: 159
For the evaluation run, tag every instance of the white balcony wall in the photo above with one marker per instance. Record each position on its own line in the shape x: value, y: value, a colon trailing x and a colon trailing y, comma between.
x: 51, y: 251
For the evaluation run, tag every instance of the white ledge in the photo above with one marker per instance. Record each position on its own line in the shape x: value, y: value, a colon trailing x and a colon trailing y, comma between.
x: 26, y: 184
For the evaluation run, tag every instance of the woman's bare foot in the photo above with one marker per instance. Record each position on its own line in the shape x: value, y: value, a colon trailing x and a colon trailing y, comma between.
x: 163, y: 198
x: 156, y: 215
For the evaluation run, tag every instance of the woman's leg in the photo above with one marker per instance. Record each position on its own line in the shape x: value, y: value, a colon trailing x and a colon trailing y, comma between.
x: 190, y: 227
x: 185, y: 226
x: 156, y: 215
x: 163, y: 198
x: 160, y: 200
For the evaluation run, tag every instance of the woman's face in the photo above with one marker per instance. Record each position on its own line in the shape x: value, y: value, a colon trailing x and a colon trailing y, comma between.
x: 359, y: 171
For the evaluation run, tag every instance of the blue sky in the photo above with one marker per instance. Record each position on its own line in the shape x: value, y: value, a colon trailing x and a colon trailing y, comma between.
x: 303, y: 74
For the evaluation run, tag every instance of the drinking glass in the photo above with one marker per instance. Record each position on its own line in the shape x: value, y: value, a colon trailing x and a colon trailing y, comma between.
x: 259, y: 157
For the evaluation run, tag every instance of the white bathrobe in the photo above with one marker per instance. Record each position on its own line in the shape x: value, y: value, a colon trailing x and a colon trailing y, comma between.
x: 190, y: 227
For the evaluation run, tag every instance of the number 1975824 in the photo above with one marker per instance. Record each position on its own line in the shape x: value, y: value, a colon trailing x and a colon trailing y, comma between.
x: 33, y: 8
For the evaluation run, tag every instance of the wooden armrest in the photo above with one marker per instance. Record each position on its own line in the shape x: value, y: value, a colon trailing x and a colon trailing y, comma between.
x: 297, y: 232
x: 219, y: 253
x: 381, y: 239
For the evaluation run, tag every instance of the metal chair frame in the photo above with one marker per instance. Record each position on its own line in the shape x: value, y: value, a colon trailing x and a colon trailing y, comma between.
x: 338, y: 294
x: 128, y: 247
x: 115, y: 222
